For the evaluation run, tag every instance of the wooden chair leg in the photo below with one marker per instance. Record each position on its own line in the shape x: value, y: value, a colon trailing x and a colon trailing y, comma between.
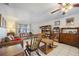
x: 29, y: 52
x: 26, y: 53
x: 38, y: 53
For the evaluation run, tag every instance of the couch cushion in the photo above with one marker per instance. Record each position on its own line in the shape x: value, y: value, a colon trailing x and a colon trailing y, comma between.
x: 17, y: 39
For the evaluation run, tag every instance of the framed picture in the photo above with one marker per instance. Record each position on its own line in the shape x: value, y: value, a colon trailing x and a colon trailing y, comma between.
x: 70, y: 21
x: 3, y: 22
x: 57, y: 23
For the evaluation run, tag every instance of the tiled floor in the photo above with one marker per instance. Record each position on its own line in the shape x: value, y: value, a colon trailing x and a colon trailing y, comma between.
x: 61, y: 50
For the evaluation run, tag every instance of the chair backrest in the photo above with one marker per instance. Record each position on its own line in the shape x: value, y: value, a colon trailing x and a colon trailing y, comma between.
x: 35, y: 42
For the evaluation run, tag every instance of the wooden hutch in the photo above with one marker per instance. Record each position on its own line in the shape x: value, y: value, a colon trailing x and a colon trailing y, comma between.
x: 70, y: 36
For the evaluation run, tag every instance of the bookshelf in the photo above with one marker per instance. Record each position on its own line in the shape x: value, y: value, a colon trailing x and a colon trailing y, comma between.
x: 46, y: 31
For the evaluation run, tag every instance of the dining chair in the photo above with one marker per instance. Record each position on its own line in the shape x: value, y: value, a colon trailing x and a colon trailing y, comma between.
x: 34, y: 44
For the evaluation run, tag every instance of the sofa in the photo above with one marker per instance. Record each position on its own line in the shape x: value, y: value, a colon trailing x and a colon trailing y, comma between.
x: 7, y: 42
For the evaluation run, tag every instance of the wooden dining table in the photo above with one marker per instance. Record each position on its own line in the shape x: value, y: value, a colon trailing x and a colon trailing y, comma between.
x: 45, y: 48
x: 14, y: 50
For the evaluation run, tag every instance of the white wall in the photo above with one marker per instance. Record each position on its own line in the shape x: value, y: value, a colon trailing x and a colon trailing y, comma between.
x: 36, y: 29
x: 5, y: 11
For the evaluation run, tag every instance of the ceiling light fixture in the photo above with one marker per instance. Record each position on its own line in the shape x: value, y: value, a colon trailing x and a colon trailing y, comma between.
x: 66, y: 7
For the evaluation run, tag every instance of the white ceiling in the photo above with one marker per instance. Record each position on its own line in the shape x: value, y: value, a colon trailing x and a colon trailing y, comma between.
x: 37, y: 12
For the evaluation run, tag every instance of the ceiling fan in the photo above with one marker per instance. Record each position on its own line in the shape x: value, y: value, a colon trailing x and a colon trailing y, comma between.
x: 64, y: 7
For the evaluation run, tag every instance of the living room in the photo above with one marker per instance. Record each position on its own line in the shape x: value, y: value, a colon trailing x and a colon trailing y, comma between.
x: 57, y: 29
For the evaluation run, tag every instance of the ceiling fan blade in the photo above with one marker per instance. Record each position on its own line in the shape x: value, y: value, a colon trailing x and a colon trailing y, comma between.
x: 55, y: 11
x: 60, y: 4
x: 6, y: 4
x: 76, y: 5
